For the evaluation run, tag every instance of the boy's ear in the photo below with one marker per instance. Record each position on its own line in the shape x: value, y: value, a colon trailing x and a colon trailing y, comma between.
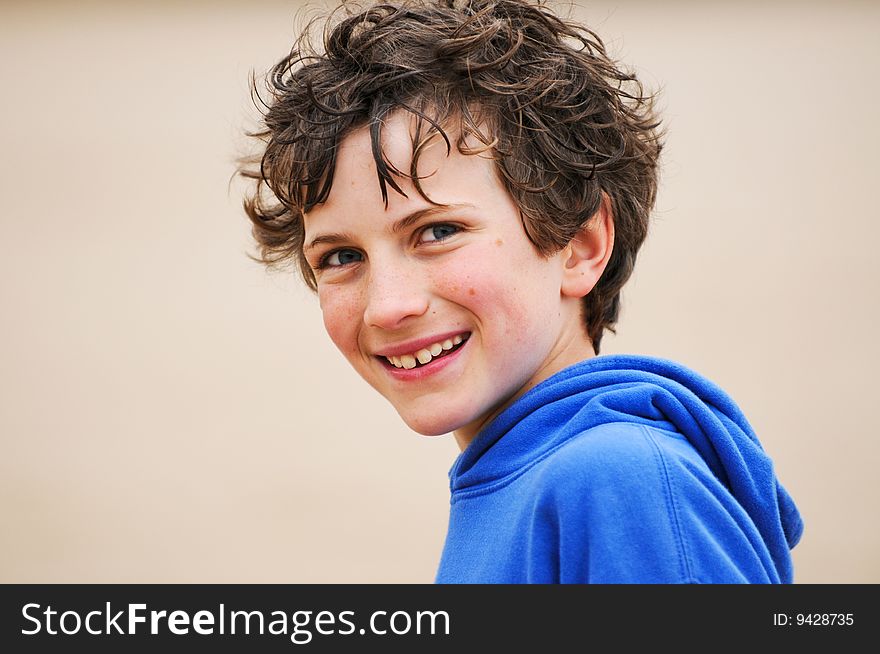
x: 587, y: 254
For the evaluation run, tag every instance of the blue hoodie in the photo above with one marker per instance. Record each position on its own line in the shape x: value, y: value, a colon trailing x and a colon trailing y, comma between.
x: 619, y: 469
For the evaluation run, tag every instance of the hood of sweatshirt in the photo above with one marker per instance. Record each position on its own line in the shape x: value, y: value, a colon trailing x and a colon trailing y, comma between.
x: 644, y: 390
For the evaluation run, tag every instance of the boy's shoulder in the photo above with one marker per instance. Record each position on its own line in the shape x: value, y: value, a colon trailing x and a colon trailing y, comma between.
x: 637, y: 496
x: 630, y: 472
x: 622, y: 458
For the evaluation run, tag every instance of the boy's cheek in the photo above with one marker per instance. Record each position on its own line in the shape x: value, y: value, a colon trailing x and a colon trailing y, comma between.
x: 341, y: 317
x: 466, y: 279
x: 481, y: 289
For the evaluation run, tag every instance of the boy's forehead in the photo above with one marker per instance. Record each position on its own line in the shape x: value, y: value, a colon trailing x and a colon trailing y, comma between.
x: 452, y: 182
x: 397, y: 135
x: 355, y: 177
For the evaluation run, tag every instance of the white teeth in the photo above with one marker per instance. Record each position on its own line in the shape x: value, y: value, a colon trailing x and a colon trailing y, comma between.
x: 425, y: 355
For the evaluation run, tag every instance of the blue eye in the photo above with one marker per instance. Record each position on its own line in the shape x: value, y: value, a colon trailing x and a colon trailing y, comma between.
x: 434, y: 233
x: 340, y: 258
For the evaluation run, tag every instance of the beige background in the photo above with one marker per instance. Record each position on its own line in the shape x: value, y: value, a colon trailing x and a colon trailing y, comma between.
x: 171, y: 413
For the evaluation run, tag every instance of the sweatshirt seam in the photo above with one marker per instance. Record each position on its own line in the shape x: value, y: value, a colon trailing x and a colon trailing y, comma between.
x: 671, y: 506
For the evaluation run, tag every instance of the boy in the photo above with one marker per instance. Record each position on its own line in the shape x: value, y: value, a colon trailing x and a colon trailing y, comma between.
x: 466, y: 184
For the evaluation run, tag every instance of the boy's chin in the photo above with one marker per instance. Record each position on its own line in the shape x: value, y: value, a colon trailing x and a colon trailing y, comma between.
x: 430, y: 425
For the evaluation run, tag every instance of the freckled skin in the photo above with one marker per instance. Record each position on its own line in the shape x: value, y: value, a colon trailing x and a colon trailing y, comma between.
x: 522, y: 327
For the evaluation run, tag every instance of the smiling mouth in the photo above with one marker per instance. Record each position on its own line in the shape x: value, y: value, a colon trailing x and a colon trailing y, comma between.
x: 428, y: 354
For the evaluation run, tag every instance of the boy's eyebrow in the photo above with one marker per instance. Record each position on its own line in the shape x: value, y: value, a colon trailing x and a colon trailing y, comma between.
x: 396, y: 228
x: 416, y: 216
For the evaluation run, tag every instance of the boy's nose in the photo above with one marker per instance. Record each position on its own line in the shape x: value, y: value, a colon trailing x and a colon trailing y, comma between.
x: 392, y: 297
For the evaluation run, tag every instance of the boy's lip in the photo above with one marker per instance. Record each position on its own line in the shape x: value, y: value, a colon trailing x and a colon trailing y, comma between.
x: 423, y: 373
x: 410, y: 347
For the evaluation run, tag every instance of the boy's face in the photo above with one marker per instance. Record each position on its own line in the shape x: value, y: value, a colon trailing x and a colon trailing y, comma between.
x: 469, y: 312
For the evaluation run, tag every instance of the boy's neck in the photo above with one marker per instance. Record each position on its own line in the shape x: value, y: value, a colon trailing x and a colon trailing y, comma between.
x: 575, y: 351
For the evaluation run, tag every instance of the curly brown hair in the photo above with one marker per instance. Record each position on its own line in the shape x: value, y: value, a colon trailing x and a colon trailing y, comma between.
x: 563, y: 123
